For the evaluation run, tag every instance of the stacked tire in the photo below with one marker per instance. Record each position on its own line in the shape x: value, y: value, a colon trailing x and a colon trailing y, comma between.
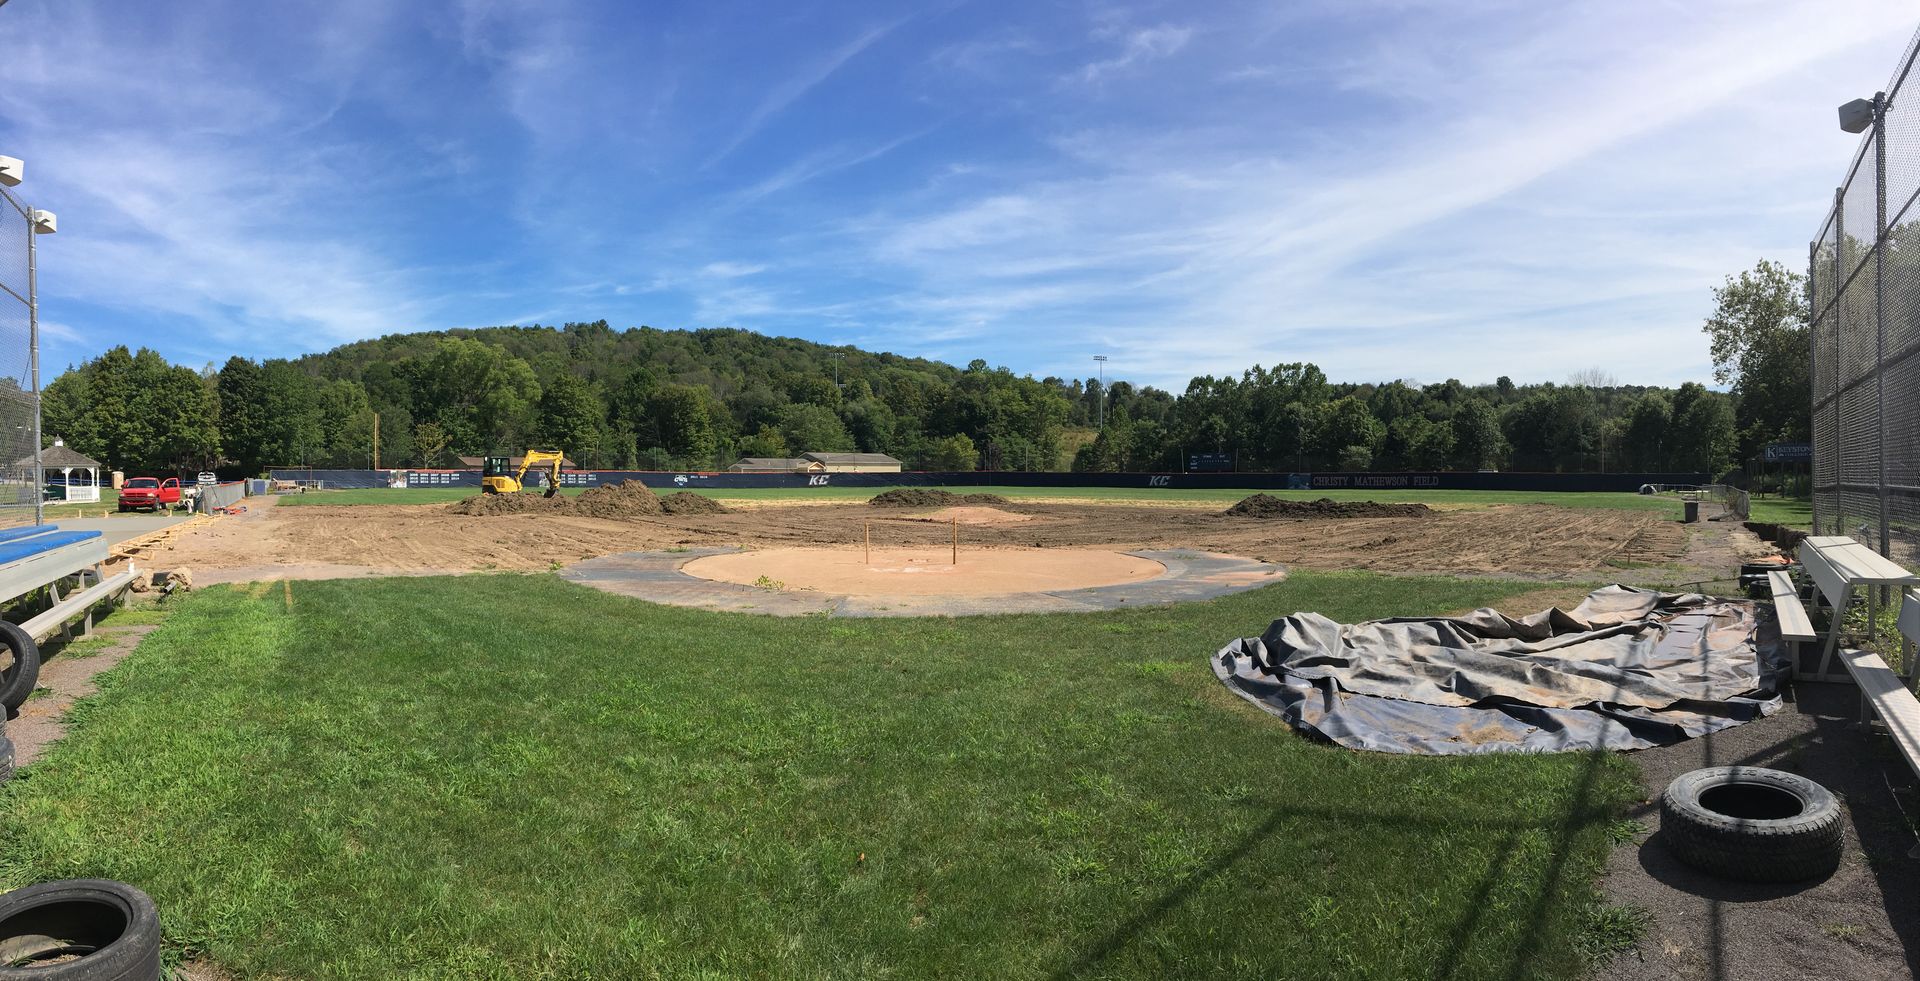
x: 17, y: 681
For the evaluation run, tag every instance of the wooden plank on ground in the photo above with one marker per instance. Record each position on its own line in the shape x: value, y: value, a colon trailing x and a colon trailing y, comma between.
x: 156, y: 538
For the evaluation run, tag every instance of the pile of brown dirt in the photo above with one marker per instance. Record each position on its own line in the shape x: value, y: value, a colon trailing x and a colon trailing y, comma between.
x: 687, y: 502
x: 491, y: 505
x: 927, y: 497
x: 1268, y: 506
x: 624, y: 499
x: 629, y: 498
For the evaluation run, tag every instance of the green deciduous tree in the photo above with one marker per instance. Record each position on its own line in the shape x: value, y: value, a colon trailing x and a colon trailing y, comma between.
x: 681, y: 419
x: 570, y: 418
x: 1759, y: 339
x: 809, y: 428
x: 954, y: 453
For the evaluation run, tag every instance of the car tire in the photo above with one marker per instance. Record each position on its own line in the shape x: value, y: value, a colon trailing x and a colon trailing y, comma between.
x: 113, y: 928
x: 18, y: 681
x: 1752, y: 824
x: 6, y: 759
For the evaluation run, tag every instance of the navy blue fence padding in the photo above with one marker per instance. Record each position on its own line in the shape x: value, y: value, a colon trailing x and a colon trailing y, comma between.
x: 668, y: 480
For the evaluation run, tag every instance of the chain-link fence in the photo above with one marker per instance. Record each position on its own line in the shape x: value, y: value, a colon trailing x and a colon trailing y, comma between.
x: 20, y: 474
x: 1864, y: 291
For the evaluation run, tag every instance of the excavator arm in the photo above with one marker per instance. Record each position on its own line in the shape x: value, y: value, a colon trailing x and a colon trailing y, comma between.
x: 535, y: 458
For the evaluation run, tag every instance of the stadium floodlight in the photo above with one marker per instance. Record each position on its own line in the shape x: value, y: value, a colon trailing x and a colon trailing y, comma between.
x: 45, y: 222
x: 1857, y: 115
x: 12, y: 169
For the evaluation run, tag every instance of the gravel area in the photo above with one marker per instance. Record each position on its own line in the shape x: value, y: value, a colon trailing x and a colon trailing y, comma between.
x: 1863, y: 922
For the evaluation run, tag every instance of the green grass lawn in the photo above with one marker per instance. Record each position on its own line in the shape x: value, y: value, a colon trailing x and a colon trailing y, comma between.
x: 1452, y: 498
x: 515, y: 777
x: 1794, y: 512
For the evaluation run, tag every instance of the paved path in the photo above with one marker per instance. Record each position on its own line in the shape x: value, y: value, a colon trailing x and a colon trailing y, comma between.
x: 121, y: 527
x: 657, y: 577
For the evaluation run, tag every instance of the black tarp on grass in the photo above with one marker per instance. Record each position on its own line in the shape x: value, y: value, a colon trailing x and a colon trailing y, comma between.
x: 1626, y: 669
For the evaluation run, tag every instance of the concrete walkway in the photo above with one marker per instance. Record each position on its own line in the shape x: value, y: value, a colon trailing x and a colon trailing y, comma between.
x: 121, y: 527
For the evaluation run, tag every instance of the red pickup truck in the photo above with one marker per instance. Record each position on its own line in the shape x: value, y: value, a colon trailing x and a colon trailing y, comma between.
x: 150, y: 494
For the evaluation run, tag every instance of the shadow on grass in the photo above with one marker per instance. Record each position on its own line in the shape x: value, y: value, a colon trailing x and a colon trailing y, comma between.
x: 1579, y: 814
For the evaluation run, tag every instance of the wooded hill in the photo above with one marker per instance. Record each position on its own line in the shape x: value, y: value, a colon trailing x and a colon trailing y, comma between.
x: 666, y: 399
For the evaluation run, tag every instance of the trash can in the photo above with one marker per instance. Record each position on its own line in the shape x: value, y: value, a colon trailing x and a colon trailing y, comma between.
x: 1692, y: 511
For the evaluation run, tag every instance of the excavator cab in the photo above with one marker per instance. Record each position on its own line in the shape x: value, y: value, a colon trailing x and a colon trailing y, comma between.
x: 496, y: 476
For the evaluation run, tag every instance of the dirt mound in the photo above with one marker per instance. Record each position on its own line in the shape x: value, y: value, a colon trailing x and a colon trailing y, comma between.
x: 687, y: 502
x: 490, y: 505
x: 1268, y: 506
x: 927, y: 497
x: 624, y: 499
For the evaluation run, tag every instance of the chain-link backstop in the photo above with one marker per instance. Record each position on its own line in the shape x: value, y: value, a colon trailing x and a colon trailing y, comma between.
x: 1864, y: 291
x: 20, y: 475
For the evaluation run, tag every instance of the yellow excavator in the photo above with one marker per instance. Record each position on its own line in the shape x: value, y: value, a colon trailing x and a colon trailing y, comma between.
x: 499, y: 477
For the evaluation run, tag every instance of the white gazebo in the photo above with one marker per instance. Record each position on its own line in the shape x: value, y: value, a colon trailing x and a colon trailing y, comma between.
x: 62, y: 457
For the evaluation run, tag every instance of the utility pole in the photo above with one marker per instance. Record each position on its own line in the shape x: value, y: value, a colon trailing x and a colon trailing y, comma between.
x: 376, y: 441
x: 1102, y: 404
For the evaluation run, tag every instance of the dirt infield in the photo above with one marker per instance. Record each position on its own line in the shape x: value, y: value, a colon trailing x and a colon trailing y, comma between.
x: 926, y: 571
x: 1532, y: 541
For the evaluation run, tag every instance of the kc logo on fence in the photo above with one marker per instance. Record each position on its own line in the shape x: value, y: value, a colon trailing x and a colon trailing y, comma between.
x: 819, y: 481
x: 1159, y: 481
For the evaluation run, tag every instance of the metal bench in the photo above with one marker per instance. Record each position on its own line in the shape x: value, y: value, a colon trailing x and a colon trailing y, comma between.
x: 1885, y: 695
x: 1838, y: 567
x: 1795, y: 626
x: 70, y: 564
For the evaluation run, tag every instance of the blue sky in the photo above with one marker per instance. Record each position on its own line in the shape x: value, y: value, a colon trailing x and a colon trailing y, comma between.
x: 1390, y: 189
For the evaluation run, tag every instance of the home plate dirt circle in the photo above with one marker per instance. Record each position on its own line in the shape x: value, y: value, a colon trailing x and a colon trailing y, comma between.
x: 921, y: 581
x: 927, y: 571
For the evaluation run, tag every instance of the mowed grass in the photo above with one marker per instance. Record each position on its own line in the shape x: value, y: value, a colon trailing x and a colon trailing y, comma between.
x: 1793, y: 512
x: 850, y: 495
x: 516, y: 777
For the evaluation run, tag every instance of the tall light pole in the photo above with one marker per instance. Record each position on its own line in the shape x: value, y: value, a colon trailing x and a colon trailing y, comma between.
x: 1102, y: 410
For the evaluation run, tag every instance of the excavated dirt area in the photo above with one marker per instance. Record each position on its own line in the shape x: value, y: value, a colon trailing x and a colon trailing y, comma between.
x: 1531, y: 541
x: 971, y: 516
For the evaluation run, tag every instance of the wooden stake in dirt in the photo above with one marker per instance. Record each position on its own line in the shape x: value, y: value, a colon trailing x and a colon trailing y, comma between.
x: 956, y: 540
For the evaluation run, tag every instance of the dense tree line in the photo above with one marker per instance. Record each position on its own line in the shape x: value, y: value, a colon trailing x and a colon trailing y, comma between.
x: 661, y: 400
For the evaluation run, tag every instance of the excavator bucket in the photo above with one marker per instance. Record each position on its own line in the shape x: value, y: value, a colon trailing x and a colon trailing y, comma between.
x: 552, y: 489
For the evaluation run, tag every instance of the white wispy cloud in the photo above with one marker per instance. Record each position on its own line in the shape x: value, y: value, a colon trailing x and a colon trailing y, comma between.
x: 189, y: 200
x: 1136, y: 47
x: 791, y: 89
x: 1435, y: 238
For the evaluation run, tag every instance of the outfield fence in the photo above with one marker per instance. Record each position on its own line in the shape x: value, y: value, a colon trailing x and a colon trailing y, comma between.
x: 21, y: 478
x: 1864, y: 294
